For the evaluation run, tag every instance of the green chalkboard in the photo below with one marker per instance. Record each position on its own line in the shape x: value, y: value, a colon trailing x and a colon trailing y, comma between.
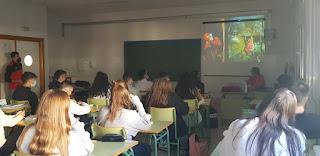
x: 172, y: 56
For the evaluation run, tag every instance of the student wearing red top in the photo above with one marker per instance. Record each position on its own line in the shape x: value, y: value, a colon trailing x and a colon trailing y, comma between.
x: 13, y: 73
x: 256, y: 80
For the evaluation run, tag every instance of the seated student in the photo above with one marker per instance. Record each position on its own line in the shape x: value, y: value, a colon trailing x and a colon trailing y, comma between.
x: 197, y: 77
x: 284, y: 81
x: 163, y: 74
x: 187, y: 88
x: 80, y: 108
x: 306, y: 122
x: 7, y: 146
x: 269, y: 134
x: 128, y: 79
x: 163, y: 96
x: 120, y: 114
x: 52, y: 133
x: 58, y: 79
x: 143, y: 84
x: 256, y: 80
x: 24, y: 92
x: 100, y: 88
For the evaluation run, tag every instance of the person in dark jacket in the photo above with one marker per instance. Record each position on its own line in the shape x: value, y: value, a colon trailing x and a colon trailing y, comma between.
x: 187, y: 87
x: 13, y: 73
x: 59, y: 78
x: 24, y: 92
x: 163, y: 96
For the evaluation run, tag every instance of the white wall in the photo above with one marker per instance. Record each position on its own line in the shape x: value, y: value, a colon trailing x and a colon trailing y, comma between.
x: 14, y: 14
x: 87, y: 49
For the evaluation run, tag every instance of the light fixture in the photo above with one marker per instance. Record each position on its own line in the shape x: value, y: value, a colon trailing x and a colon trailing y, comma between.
x: 28, y: 60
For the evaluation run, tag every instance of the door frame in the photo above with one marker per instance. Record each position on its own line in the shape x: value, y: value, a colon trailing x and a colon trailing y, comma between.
x: 40, y: 42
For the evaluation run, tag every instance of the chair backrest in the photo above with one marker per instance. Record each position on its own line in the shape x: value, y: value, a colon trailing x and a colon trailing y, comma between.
x: 17, y: 153
x: 193, y: 105
x: 99, y: 131
x: 97, y: 102
x: 231, y: 107
x: 164, y: 114
x: 12, y: 101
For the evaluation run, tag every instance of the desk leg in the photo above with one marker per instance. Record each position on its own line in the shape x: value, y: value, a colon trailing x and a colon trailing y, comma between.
x: 155, y: 144
x: 168, y: 141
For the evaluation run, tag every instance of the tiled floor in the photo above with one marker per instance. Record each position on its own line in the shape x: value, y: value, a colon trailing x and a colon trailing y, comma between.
x: 215, y: 134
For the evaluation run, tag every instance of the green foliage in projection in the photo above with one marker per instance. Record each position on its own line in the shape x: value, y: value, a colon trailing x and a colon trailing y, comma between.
x: 246, y: 41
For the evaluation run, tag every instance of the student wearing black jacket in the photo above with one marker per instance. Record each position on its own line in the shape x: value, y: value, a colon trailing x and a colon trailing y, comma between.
x: 24, y: 92
x: 58, y: 79
x: 163, y: 96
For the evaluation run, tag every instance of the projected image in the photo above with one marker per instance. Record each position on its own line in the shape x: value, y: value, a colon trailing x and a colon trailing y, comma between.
x: 240, y: 39
x: 246, y: 41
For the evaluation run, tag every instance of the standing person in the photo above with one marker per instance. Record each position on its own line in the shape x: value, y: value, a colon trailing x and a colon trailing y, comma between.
x: 52, y: 133
x: 8, y: 145
x: 13, y: 74
x: 163, y: 96
x: 268, y: 134
x: 120, y: 114
x: 59, y: 78
x: 100, y: 88
x: 143, y: 84
x: 256, y: 80
x: 24, y: 92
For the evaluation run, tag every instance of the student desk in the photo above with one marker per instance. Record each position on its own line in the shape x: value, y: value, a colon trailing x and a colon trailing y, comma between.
x: 112, y: 148
x: 159, y: 130
x: 11, y: 108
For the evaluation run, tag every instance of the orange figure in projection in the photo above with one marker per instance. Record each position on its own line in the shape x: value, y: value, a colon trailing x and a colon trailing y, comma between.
x: 250, y: 45
x: 208, y: 40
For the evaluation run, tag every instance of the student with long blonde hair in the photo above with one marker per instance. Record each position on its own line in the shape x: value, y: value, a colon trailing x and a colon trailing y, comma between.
x: 269, y: 134
x: 120, y: 114
x: 52, y: 133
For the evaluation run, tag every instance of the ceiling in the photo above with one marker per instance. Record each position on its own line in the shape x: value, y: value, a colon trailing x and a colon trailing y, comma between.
x: 94, y: 6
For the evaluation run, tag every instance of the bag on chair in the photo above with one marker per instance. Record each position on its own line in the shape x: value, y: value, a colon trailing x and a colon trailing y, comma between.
x: 198, y: 146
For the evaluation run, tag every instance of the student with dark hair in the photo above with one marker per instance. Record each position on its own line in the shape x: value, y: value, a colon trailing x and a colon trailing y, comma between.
x: 24, y: 92
x: 13, y: 73
x: 128, y: 79
x: 256, y: 80
x: 306, y: 122
x: 164, y: 75
x: 100, y: 87
x: 284, y: 81
x: 59, y: 78
x: 187, y: 88
x: 143, y: 84
x: 199, y: 84
x: 268, y: 134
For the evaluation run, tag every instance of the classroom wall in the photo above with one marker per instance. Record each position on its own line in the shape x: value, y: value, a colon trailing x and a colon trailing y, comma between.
x: 14, y: 14
x: 86, y: 49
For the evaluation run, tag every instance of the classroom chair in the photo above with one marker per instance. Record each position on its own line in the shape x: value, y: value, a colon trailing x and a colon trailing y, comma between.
x: 166, y: 114
x: 192, y: 118
x: 231, y: 108
x: 26, y: 102
x: 98, y: 103
x: 17, y: 153
x: 99, y: 131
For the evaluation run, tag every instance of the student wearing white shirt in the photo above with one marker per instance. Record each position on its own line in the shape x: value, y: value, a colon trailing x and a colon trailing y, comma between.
x: 7, y: 146
x: 52, y: 133
x: 128, y: 79
x: 120, y: 114
x: 80, y: 108
x: 100, y: 88
x: 269, y: 134
x: 143, y: 84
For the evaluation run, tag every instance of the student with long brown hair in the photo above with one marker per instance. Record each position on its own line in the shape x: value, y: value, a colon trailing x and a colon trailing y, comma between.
x: 162, y: 96
x: 120, y: 114
x: 269, y: 134
x: 52, y: 133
